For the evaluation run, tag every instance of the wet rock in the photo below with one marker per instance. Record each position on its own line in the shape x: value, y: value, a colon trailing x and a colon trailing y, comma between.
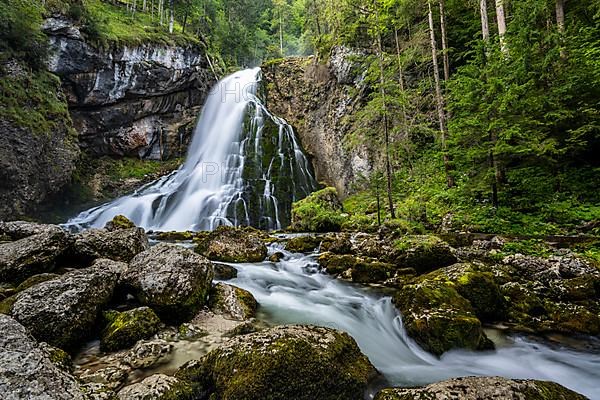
x: 124, y: 329
x: 276, y: 257
x: 172, y: 280
x: 26, y: 370
x: 230, y: 244
x: 175, y: 236
x: 63, y: 311
x: 155, y: 387
x: 372, y: 272
x: 551, y: 268
x: 119, y: 245
x: 224, y: 272
x: 15, y: 230
x: 266, y: 365
x: 34, y: 280
x: 338, y: 243
x: 235, y: 303
x: 437, y: 317
x: 476, y: 388
x: 98, y: 391
x: 112, y: 377
x: 336, y: 264
x: 32, y: 255
x: 148, y: 353
x: 59, y: 357
x: 303, y: 244
x: 423, y: 253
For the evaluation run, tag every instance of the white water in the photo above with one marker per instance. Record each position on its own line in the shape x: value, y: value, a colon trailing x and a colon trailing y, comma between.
x: 294, y: 291
x: 212, y: 187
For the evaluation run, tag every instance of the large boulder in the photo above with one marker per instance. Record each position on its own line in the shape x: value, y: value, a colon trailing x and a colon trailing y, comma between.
x: 170, y: 279
x: 476, y: 388
x: 230, y: 244
x: 26, y: 370
x: 423, y: 253
x: 235, y: 303
x: 33, y: 254
x: 303, y: 244
x: 118, y: 245
x: 438, y: 318
x: 154, y: 387
x: 64, y: 310
x: 15, y: 230
x: 290, y: 362
x: 124, y: 329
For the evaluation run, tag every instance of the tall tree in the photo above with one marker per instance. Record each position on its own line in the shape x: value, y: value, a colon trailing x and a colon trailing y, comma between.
x: 172, y: 16
x: 485, y: 26
x: 501, y: 20
x: 445, y: 55
x: 439, y: 99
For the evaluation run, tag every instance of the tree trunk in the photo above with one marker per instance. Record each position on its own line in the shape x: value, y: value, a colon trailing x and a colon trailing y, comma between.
x: 485, y: 26
x: 386, y: 133
x: 444, y: 40
x: 172, y: 18
x: 185, y: 16
x: 161, y: 5
x: 560, y: 23
x: 501, y: 19
x: 281, y: 32
x: 439, y: 100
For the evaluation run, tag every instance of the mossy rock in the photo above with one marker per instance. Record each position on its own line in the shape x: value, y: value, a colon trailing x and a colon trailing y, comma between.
x: 34, y: 280
x: 476, y: 388
x: 175, y: 236
x: 437, y: 317
x: 229, y: 244
x: 119, y: 222
x: 59, y: 357
x: 571, y: 318
x: 319, y: 212
x: 291, y: 362
x: 224, y: 272
x: 372, y: 272
x: 303, y: 244
x: 335, y: 264
x: 124, y: 329
x: 423, y: 253
x: 235, y: 302
x: 337, y: 244
x: 523, y: 303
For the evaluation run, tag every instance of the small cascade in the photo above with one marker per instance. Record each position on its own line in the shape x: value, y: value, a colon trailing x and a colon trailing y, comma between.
x: 244, y: 167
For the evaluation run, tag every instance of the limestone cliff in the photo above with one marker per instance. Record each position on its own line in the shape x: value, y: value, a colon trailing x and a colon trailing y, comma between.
x: 129, y: 100
x: 316, y: 99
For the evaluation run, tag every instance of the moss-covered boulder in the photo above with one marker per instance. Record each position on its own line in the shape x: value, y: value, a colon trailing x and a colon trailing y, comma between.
x: 229, y: 244
x: 337, y: 243
x: 233, y: 302
x: 64, y: 310
x: 118, y: 245
x: 438, y: 318
x: 303, y: 244
x: 170, y: 279
x: 423, y: 253
x: 124, y: 329
x: 32, y: 255
x: 291, y: 362
x: 336, y: 264
x: 476, y: 388
x: 174, y: 236
x: 372, y: 272
x: 224, y: 272
x: 119, y: 222
x: 154, y: 387
x: 319, y: 212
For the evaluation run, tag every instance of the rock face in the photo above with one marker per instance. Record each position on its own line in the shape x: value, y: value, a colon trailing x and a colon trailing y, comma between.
x: 26, y: 371
x: 63, y: 311
x: 129, y: 100
x: 230, y: 244
x: 32, y: 255
x: 172, y: 280
x: 291, y: 362
x: 235, y: 303
x: 155, y: 387
x: 315, y: 99
x: 476, y: 388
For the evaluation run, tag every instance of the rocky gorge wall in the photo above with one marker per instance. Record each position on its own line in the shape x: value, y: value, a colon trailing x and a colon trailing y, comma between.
x: 317, y: 99
x: 129, y: 100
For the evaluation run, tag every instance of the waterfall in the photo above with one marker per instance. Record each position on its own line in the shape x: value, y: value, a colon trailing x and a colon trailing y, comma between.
x: 244, y: 167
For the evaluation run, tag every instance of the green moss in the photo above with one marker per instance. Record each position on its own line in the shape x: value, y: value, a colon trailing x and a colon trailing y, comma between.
x: 127, y: 168
x: 6, y: 304
x: 60, y: 358
x: 124, y: 329
x: 336, y: 264
x: 175, y: 236
x: 34, y: 280
x: 319, y: 212
x: 423, y: 253
x: 372, y: 272
x: 120, y: 222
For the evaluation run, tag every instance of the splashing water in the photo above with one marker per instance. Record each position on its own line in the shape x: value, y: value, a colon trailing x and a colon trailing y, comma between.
x: 244, y: 167
x: 295, y: 291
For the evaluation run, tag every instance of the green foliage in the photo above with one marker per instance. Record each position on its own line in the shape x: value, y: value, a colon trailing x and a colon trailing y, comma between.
x: 319, y: 212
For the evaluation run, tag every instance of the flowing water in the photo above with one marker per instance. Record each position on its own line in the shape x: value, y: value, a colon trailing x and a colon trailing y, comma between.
x: 244, y: 167
x: 295, y: 291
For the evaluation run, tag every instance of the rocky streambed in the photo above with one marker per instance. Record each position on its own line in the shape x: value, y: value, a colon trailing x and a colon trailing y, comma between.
x: 240, y: 314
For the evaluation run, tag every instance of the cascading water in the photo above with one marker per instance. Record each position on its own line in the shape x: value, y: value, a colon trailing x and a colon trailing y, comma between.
x: 295, y: 291
x: 244, y: 167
